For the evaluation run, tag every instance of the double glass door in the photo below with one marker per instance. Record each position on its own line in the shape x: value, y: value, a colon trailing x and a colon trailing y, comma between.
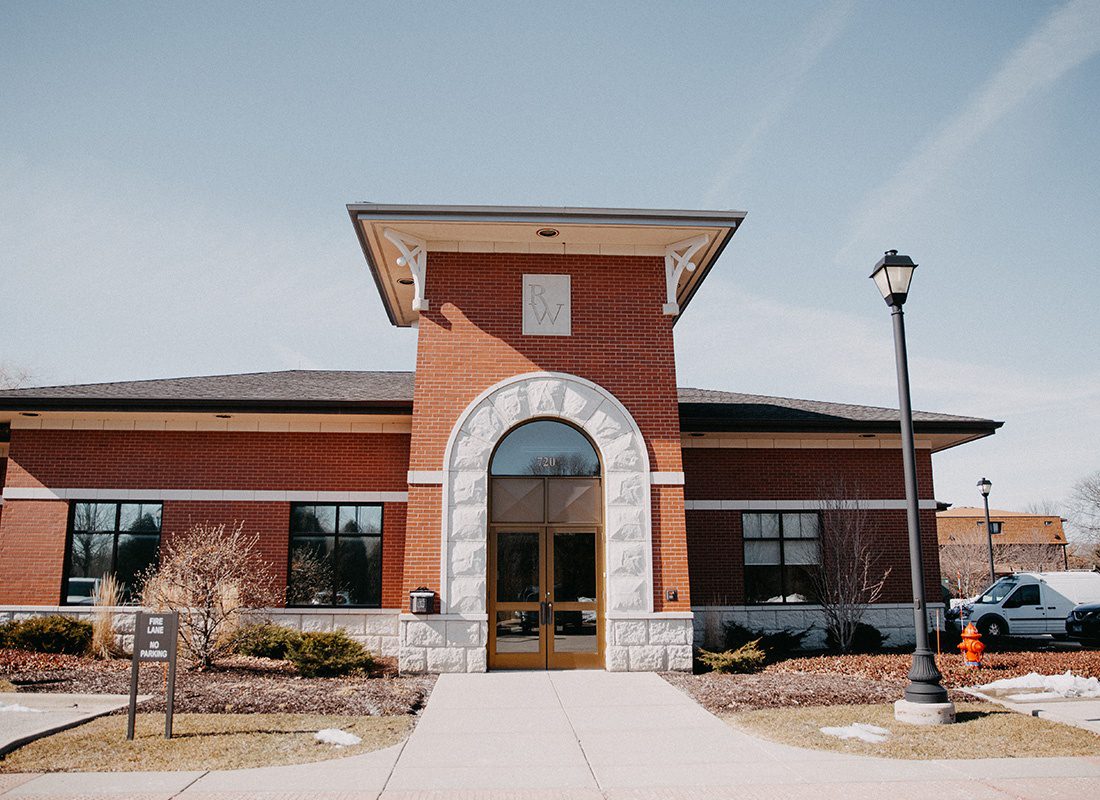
x: 544, y: 599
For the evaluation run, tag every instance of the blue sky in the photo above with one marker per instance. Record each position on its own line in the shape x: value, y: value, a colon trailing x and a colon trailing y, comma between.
x: 173, y: 180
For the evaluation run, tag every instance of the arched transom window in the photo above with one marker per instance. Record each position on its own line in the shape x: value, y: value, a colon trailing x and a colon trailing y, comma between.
x: 545, y: 447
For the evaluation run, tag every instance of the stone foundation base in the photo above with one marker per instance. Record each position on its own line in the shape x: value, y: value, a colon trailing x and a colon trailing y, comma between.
x: 458, y: 643
x: 650, y: 643
x: 924, y: 713
x: 375, y: 629
x: 443, y: 643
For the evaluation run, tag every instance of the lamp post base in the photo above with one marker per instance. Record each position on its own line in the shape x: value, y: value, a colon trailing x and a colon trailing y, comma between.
x: 924, y: 713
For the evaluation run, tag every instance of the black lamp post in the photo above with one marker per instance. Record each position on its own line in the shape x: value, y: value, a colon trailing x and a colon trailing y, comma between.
x: 984, y: 485
x: 892, y: 275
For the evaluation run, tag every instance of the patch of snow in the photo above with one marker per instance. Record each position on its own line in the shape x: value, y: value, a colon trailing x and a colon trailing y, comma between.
x: 20, y: 709
x: 337, y: 737
x: 1065, y: 685
x: 859, y: 730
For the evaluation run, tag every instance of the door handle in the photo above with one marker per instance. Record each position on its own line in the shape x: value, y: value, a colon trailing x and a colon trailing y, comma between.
x: 546, y: 613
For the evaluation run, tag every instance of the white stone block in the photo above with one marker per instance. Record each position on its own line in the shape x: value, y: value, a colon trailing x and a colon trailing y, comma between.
x: 287, y: 620
x: 630, y: 631
x: 316, y: 622
x: 468, y: 487
x: 413, y: 659
x: 579, y: 402
x: 476, y: 660
x: 467, y: 558
x: 622, y: 453
x: 511, y: 404
x: 464, y: 634
x: 606, y: 423
x: 389, y: 646
x: 446, y: 659
x: 625, y: 488
x: 617, y: 659
x: 351, y: 624
x: 420, y: 633
x: 626, y: 523
x: 484, y: 423
x: 670, y: 631
x: 626, y: 559
x: 373, y: 644
x: 468, y: 523
x: 467, y: 595
x: 792, y: 619
x: 470, y: 453
x: 381, y: 624
x: 647, y: 658
x: 627, y: 594
x: 545, y: 396
x: 123, y: 623
x: 680, y: 658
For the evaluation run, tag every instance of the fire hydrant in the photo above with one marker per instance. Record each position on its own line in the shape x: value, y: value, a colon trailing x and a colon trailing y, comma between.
x: 971, y: 646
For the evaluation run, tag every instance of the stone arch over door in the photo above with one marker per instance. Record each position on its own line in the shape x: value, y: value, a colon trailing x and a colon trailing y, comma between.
x: 626, y: 476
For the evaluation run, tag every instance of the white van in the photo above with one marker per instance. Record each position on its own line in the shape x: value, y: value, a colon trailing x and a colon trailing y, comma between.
x: 1028, y: 603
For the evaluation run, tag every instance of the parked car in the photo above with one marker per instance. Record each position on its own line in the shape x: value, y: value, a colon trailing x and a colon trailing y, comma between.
x: 1028, y: 603
x: 1083, y: 623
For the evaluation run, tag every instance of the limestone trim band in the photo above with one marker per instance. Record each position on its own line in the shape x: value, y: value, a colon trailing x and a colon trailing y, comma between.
x: 175, y: 495
x: 801, y: 505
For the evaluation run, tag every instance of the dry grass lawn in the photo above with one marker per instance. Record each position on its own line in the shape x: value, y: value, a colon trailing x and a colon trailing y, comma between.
x: 982, y: 730
x: 201, y: 741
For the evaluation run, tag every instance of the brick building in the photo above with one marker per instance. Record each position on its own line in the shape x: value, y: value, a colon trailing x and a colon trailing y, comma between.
x: 540, y: 472
x: 1022, y: 542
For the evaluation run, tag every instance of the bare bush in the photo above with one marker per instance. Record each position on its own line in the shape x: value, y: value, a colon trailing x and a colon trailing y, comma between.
x: 964, y: 562
x: 108, y: 594
x: 13, y: 376
x: 211, y: 575
x: 851, y: 576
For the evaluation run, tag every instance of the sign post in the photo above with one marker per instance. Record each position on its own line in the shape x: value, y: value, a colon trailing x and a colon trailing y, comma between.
x: 155, y: 637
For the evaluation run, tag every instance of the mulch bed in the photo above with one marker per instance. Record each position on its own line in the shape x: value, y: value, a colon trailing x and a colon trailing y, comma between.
x: 865, y: 679
x: 239, y: 685
x: 724, y: 693
x: 895, y: 666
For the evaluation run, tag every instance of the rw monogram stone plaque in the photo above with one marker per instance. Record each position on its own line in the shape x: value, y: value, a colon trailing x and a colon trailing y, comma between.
x: 547, y: 306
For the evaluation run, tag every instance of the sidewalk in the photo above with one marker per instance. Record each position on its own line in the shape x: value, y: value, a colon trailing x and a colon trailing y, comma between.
x: 49, y: 713
x: 586, y: 735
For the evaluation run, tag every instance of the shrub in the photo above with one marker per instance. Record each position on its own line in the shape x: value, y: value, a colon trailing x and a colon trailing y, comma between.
x: 52, y: 634
x: 322, y: 655
x: 211, y: 575
x: 265, y: 640
x: 108, y: 594
x: 777, y: 645
x: 747, y: 658
x: 865, y: 639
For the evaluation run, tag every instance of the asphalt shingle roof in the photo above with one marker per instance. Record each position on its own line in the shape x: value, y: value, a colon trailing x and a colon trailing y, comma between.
x: 392, y: 392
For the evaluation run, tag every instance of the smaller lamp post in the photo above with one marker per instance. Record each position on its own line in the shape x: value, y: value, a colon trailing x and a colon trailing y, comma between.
x: 925, y: 701
x: 984, y: 485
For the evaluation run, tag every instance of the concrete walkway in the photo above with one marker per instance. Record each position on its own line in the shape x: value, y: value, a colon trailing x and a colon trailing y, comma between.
x: 588, y: 735
x: 25, y: 716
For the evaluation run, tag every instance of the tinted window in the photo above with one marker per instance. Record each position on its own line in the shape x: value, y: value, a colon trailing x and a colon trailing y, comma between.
x: 335, y: 555
x: 110, y: 538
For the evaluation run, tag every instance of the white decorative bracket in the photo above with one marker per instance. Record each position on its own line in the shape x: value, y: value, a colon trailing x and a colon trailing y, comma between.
x: 677, y: 259
x: 414, y: 254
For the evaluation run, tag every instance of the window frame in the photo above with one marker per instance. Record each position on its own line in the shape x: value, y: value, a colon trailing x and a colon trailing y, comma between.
x: 783, y: 565
x: 114, y: 533
x: 336, y: 536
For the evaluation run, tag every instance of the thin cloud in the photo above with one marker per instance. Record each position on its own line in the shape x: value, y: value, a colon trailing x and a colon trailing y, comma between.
x: 1068, y: 37
x: 798, y: 60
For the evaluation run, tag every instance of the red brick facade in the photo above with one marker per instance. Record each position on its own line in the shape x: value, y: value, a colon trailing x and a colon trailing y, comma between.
x: 472, y: 339
x: 33, y: 533
x: 715, y: 544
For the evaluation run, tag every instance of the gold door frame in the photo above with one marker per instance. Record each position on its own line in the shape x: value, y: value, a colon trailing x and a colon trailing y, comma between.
x: 546, y: 657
